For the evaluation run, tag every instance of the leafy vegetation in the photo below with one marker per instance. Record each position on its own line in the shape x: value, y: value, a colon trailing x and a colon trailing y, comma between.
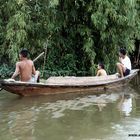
x: 80, y: 33
x: 6, y: 71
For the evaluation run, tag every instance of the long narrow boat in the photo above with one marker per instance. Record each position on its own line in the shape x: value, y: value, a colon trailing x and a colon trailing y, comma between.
x: 67, y: 84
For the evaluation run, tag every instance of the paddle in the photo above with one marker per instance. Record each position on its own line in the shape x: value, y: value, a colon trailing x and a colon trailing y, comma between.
x: 38, y: 57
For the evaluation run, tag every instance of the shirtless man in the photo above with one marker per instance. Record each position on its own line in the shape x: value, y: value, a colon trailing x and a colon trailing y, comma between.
x: 101, y: 71
x: 124, y: 64
x: 25, y: 68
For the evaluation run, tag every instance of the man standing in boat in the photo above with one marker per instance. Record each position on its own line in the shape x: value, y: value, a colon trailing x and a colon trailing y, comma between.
x: 124, y: 65
x: 25, y: 69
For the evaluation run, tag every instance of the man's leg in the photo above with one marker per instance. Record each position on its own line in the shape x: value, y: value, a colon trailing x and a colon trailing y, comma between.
x: 120, y: 69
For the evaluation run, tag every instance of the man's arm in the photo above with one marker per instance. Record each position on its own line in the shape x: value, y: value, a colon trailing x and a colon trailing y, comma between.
x: 98, y: 73
x: 120, y: 59
x: 16, y: 73
x: 33, y: 70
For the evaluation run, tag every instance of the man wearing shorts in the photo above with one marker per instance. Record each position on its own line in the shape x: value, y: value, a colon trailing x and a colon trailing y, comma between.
x: 124, y: 65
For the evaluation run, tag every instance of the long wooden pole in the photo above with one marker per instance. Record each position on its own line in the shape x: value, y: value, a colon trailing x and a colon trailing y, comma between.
x: 45, y: 57
x: 38, y: 57
x: 137, y: 62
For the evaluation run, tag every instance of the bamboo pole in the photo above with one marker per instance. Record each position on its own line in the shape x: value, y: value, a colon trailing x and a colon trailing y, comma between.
x: 38, y: 57
x: 137, y: 62
x: 45, y: 55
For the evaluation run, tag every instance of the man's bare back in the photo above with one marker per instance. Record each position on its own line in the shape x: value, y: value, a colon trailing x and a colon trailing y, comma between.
x: 24, y: 68
x: 101, y: 71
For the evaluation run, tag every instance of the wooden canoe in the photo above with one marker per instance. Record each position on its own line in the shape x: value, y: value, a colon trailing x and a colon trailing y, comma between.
x: 67, y: 84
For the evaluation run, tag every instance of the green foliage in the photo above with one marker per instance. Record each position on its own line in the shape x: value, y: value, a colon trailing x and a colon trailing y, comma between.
x: 5, y: 71
x: 80, y: 33
x: 137, y: 29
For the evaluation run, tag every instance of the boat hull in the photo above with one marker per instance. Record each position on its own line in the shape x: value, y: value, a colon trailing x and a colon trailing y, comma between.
x: 29, y: 89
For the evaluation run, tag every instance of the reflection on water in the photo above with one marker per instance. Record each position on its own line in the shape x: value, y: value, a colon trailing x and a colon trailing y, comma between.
x: 125, y: 104
x: 107, y: 116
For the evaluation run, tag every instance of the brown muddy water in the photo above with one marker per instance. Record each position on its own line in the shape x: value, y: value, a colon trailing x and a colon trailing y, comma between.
x: 108, y: 116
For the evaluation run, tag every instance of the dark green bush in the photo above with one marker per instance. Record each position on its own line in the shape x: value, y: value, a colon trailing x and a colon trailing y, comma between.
x: 6, y: 71
x: 79, y: 32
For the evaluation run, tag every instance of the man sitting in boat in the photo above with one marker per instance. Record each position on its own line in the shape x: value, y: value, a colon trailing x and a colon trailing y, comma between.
x: 124, y: 65
x: 25, y: 69
x: 101, y: 71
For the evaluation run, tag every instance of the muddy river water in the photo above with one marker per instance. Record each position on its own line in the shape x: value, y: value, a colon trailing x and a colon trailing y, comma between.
x: 111, y: 115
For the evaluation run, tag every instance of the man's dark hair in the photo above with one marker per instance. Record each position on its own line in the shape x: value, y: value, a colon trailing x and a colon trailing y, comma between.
x: 24, y: 52
x: 102, y: 65
x: 123, y: 51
